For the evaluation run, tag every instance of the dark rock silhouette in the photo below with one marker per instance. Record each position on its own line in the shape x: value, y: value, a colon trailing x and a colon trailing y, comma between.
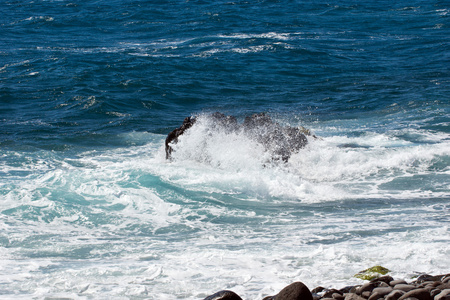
x: 224, y: 295
x: 280, y: 141
x: 426, y: 287
x: 173, y: 136
x: 294, y: 291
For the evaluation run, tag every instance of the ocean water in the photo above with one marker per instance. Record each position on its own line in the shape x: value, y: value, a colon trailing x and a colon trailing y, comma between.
x: 91, y: 209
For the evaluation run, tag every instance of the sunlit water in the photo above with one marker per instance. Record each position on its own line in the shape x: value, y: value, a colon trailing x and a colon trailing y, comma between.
x: 91, y: 209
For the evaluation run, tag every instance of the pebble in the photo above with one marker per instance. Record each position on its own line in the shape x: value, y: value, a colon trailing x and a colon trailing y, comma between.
x: 224, y: 295
x: 367, y: 287
x: 385, y: 279
x: 421, y: 294
x: 394, y: 295
x: 353, y: 296
x: 398, y: 281
x: 380, y: 292
x: 338, y: 296
x: 404, y: 287
x: 330, y: 293
x: 443, y: 295
x: 444, y: 286
x: 425, y: 287
x: 435, y: 292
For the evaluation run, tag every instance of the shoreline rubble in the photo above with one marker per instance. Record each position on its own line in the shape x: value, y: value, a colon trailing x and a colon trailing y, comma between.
x: 425, y: 287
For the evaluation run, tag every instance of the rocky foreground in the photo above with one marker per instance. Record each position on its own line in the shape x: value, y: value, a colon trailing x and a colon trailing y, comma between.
x: 425, y: 287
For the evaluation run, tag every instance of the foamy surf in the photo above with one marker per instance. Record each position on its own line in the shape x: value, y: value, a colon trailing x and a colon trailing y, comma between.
x: 222, y: 215
x: 331, y: 167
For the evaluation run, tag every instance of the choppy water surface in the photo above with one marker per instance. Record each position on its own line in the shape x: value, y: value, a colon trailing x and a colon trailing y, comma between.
x: 91, y: 209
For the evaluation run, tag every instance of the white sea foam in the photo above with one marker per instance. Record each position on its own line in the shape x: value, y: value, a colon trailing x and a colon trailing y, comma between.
x: 209, y: 45
x: 268, y: 35
x: 40, y: 18
x: 328, y: 169
x: 127, y: 223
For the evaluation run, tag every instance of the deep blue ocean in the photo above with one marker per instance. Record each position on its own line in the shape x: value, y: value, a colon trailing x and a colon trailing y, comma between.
x: 91, y: 209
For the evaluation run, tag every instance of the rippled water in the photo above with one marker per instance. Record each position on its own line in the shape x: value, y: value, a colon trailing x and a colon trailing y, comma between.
x: 91, y: 209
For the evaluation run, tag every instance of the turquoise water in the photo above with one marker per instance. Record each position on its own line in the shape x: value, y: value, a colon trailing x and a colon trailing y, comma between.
x: 91, y: 209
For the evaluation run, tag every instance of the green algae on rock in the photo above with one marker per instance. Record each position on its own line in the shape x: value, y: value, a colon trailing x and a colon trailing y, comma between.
x: 372, y: 273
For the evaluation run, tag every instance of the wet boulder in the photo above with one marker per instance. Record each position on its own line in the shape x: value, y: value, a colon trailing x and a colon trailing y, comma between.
x: 294, y: 291
x: 172, y: 137
x: 224, y: 295
x: 280, y: 141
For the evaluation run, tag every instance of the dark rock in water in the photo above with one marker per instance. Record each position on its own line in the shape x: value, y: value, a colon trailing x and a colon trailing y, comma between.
x: 294, y: 291
x: 317, y: 290
x: 224, y: 295
x: 387, y: 279
x: 330, y: 292
x: 221, y: 121
x: 280, y: 141
x: 426, y: 277
x: 173, y: 136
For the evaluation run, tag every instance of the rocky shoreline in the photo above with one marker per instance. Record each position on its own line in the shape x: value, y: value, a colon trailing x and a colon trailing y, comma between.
x: 425, y: 287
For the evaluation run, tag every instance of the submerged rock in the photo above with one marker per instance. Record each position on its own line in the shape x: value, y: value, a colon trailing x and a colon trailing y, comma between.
x: 280, y: 141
